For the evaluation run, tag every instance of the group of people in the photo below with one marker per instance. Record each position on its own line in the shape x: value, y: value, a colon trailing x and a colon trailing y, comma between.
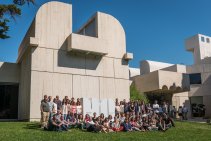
x: 62, y: 115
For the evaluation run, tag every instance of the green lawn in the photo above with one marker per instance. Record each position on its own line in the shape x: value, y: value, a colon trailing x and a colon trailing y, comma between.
x: 25, y: 131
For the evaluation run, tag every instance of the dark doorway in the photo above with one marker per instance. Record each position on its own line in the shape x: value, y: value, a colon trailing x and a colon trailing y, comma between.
x: 8, y: 101
x: 160, y: 97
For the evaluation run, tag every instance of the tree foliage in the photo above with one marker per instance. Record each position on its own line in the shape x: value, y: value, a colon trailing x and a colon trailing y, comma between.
x: 8, y: 12
x: 136, y: 95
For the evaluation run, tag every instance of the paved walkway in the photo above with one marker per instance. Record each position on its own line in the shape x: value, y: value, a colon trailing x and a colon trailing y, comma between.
x: 198, y: 120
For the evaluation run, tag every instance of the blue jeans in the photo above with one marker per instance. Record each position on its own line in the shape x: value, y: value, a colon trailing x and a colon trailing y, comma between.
x: 65, y: 116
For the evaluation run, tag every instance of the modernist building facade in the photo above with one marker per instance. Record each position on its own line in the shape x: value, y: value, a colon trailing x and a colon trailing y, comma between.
x: 52, y: 60
x: 180, y: 84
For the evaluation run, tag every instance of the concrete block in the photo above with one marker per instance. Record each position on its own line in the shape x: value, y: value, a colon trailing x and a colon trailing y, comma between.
x: 111, y: 107
x: 62, y: 85
x: 121, y: 69
x: 112, y: 31
x: 122, y: 89
x: 93, y: 87
x: 41, y: 84
x: 128, y: 56
x: 103, y: 107
x: 34, y: 42
x: 96, y: 106
x: 42, y: 59
x: 79, y: 86
x: 68, y: 63
x: 87, y: 106
x: 107, y: 88
x: 53, y: 28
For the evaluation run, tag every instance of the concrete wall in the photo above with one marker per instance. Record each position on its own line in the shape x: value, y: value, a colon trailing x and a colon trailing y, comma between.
x: 24, y: 87
x: 147, y: 82
x: 157, y: 80
x: 207, y: 103
x: 176, y: 68
x: 179, y: 80
x: 9, y: 72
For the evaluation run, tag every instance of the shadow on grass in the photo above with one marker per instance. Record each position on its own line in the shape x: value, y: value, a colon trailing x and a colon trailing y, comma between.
x: 34, y: 126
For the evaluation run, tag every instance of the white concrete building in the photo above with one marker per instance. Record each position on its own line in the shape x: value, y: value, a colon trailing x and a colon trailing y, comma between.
x: 53, y: 60
x: 179, y: 84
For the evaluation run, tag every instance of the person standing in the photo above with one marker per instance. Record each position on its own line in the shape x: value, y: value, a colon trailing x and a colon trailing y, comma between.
x: 180, y: 112
x: 55, y: 106
x: 45, y: 112
x: 117, y: 108
x: 184, y: 112
x: 58, y: 102
x: 165, y: 108
x: 155, y: 106
x: 121, y: 107
x: 78, y: 108
x: 45, y: 97
x: 51, y: 105
x: 65, y: 110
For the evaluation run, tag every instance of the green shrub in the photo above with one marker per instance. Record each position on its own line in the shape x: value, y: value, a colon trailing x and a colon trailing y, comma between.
x: 136, y: 95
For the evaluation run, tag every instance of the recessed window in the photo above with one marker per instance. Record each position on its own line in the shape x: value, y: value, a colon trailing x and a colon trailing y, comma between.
x: 195, y: 78
x: 202, y: 39
x: 89, y: 29
x: 208, y: 40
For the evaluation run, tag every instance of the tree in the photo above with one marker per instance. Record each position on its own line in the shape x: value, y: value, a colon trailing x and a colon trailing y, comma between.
x: 136, y: 95
x: 8, y: 12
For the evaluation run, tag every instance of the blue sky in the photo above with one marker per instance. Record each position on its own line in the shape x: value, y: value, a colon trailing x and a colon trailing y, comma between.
x: 155, y: 29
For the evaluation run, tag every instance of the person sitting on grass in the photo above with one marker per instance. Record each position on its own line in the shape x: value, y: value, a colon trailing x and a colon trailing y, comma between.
x: 106, y: 125
x: 139, y: 123
x: 134, y: 124
x: 169, y: 122
x: 58, y: 114
x: 55, y: 125
x: 161, y: 124
x: 102, y: 118
x: 152, y: 124
x: 80, y: 121
x: 116, y: 125
x: 146, y: 125
x: 87, y: 121
x: 122, y: 118
x: 64, y: 124
x: 94, y: 118
x: 71, y: 120
x: 98, y: 127
x: 110, y: 119
x: 127, y: 126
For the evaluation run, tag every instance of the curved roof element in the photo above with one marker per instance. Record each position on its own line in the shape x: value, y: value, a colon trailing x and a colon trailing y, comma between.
x: 134, y: 72
x: 148, y: 66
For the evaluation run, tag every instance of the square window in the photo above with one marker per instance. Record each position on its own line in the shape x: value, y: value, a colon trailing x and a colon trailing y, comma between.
x: 202, y: 39
x: 195, y: 78
x: 208, y: 40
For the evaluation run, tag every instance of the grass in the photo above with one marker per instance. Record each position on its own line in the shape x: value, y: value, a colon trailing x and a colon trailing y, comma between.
x: 26, y: 131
